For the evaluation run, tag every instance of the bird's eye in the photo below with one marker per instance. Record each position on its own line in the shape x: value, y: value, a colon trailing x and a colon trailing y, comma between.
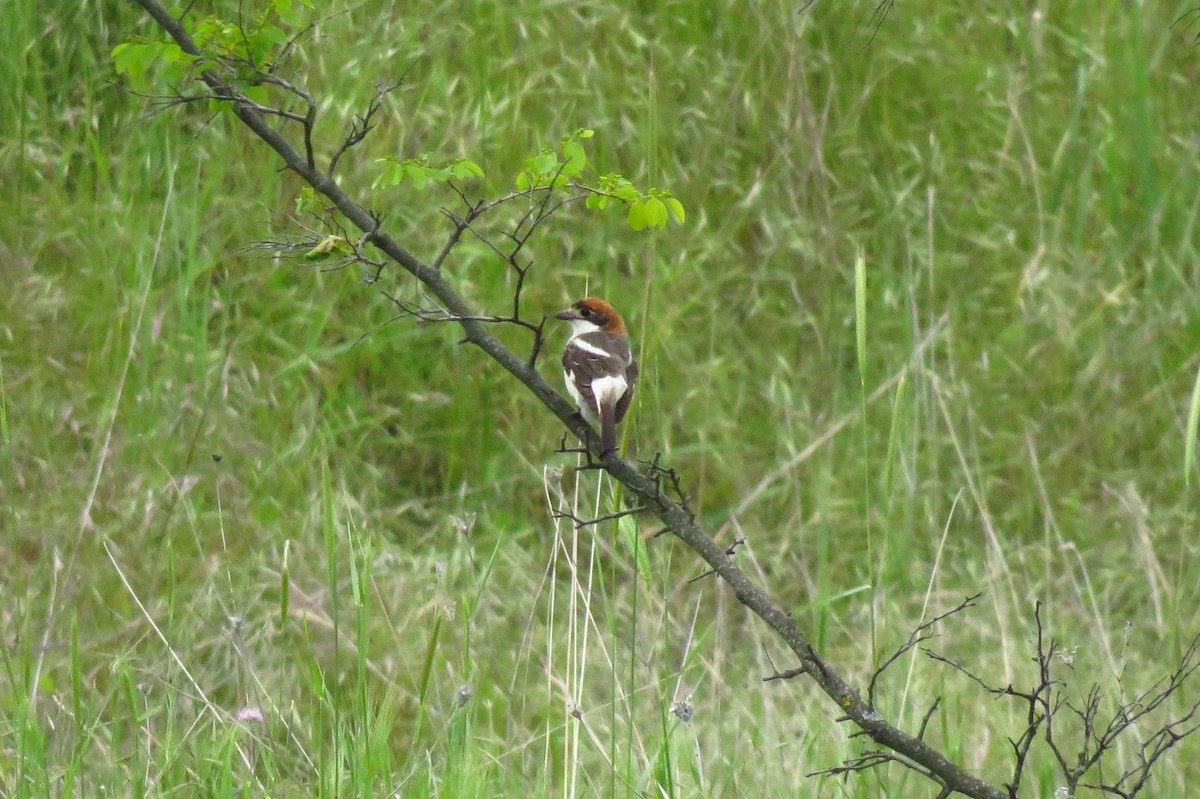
x: 585, y: 311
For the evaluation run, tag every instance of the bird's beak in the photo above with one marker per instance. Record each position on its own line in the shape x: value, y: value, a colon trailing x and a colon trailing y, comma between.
x: 567, y: 315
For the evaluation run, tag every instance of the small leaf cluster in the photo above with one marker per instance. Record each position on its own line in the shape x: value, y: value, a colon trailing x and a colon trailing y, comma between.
x: 421, y: 173
x: 249, y: 48
x: 650, y: 210
x: 136, y: 57
x: 548, y: 170
x: 309, y: 202
x: 565, y: 171
x: 647, y: 210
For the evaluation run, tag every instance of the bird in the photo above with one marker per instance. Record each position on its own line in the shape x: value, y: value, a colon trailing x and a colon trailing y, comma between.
x: 598, y: 363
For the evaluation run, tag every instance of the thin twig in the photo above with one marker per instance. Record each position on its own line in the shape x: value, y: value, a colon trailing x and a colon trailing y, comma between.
x: 579, y: 523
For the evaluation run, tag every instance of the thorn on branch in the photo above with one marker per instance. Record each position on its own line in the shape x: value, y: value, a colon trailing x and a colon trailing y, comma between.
x: 731, y: 550
x: 660, y: 474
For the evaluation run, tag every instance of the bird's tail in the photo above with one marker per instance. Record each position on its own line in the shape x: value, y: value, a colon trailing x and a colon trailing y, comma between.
x: 608, y: 427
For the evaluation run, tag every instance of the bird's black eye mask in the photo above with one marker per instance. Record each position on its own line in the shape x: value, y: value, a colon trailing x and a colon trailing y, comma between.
x: 595, y: 317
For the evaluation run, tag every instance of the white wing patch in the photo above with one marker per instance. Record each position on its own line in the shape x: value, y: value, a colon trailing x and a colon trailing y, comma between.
x: 590, y: 349
x: 609, y: 389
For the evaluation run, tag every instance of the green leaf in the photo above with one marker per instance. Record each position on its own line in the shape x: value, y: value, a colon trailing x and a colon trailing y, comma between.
x: 258, y: 94
x: 625, y: 190
x: 462, y: 168
x: 396, y: 173
x: 122, y: 57
x: 390, y: 176
x: 134, y: 59
x: 306, y: 201
x: 289, y: 13
x: 637, y: 215
x: 656, y: 213
x: 171, y: 53
x: 584, y: 133
x: 576, y: 159
x: 523, y: 181
x: 329, y: 247
x: 418, y: 176
x: 676, y: 209
x: 273, y: 34
x: 546, y: 162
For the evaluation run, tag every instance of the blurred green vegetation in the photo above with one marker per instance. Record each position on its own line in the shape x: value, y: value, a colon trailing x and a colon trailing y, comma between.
x: 230, y: 481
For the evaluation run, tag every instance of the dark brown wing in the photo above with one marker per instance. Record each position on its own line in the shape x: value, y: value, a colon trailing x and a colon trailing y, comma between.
x: 631, y: 376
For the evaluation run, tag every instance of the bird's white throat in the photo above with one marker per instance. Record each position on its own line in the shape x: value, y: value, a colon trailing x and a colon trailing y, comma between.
x: 581, y: 326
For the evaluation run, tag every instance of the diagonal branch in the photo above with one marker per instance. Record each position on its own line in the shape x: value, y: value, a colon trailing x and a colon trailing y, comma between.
x: 673, y: 514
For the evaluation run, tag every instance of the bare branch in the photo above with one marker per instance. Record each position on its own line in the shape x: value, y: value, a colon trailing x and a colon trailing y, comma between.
x: 1006, y: 691
x: 1131, y: 782
x: 928, y: 715
x: 460, y: 224
x: 1045, y: 702
x: 275, y: 80
x: 364, y: 123
x: 923, y: 632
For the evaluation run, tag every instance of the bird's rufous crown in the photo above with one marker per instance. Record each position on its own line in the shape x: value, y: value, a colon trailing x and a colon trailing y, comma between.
x: 599, y: 312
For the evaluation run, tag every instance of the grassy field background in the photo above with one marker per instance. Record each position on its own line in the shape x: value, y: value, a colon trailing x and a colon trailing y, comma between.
x: 245, y: 551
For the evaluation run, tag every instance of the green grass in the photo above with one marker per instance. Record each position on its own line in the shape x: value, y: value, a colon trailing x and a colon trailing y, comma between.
x: 214, y: 497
